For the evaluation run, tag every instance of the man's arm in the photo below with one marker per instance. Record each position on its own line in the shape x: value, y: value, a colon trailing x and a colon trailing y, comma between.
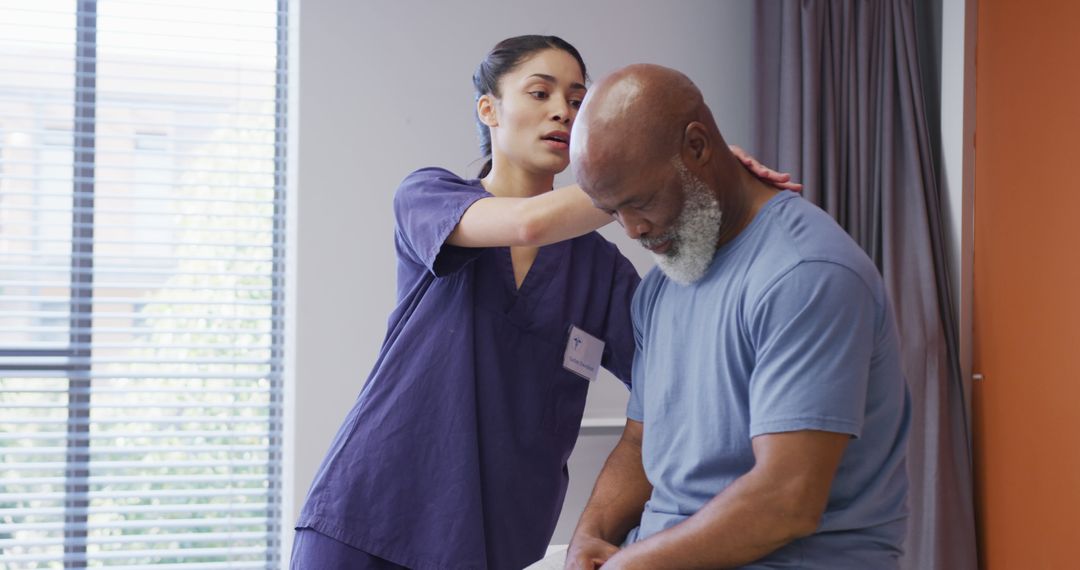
x: 615, y: 505
x: 781, y: 499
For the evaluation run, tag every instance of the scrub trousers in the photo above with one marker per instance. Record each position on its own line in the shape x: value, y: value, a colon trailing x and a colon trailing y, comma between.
x: 313, y: 550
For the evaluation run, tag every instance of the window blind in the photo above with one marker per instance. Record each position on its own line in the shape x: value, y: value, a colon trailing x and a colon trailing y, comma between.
x: 142, y: 193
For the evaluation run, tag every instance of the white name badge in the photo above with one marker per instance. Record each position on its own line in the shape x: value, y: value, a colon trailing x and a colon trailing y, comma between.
x: 583, y: 354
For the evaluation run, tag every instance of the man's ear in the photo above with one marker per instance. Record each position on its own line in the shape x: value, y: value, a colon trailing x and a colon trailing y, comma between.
x: 696, y: 143
x: 487, y: 111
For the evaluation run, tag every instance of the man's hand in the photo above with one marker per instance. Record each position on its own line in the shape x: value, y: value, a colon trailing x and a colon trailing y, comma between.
x: 588, y: 553
x: 781, y: 180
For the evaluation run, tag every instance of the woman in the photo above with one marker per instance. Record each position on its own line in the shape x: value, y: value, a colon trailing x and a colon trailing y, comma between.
x: 454, y: 455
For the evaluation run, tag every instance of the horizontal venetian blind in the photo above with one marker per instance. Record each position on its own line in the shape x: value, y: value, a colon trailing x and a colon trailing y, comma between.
x: 141, y: 256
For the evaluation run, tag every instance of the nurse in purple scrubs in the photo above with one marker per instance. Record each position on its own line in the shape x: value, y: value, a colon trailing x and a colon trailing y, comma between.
x: 454, y: 454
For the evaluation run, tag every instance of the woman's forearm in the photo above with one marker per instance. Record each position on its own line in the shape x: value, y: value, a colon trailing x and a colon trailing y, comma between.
x: 551, y: 217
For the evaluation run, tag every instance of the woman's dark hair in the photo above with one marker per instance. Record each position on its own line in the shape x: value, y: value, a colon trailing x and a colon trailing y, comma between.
x: 502, y: 59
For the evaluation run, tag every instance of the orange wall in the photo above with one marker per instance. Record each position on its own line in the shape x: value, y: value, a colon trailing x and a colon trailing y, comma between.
x: 1027, y: 284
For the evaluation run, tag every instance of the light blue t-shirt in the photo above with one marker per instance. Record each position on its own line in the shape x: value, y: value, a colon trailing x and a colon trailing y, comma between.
x: 790, y: 329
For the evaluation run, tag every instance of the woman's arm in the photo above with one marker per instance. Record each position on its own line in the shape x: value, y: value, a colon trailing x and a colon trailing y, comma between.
x: 558, y: 215
x: 544, y: 219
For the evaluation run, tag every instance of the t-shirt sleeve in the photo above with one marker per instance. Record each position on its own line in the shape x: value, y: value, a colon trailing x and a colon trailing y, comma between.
x: 619, y: 343
x: 639, y: 312
x: 427, y: 207
x: 813, y: 333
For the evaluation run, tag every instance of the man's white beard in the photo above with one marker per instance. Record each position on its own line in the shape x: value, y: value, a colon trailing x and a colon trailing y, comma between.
x: 695, y: 232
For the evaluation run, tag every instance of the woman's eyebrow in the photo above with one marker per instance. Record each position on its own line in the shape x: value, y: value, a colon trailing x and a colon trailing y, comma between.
x: 551, y: 79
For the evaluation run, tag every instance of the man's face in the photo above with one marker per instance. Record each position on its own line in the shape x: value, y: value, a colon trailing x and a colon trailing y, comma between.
x: 671, y: 212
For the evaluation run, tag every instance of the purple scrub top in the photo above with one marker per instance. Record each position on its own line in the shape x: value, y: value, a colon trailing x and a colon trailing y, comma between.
x: 454, y: 455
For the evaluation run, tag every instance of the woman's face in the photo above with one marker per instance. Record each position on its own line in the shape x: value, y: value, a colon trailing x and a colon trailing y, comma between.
x: 532, y: 119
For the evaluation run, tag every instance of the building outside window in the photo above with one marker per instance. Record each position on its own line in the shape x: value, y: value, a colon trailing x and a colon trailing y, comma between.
x: 142, y: 227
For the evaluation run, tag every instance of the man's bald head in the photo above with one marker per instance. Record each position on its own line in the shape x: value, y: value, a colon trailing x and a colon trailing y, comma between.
x: 646, y: 149
x: 634, y: 117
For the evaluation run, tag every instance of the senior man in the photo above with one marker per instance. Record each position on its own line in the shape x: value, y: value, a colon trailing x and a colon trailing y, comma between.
x: 768, y: 417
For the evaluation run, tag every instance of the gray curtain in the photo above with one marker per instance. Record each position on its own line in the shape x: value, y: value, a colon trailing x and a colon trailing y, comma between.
x: 840, y: 105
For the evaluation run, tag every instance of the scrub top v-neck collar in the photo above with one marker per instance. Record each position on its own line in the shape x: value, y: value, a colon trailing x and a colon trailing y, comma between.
x: 548, y: 263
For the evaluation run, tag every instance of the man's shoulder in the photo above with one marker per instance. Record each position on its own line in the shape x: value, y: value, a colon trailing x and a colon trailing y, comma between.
x: 802, y: 234
x: 647, y: 292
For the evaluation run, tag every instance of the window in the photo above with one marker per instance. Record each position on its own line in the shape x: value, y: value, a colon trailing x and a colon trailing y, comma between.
x: 142, y: 192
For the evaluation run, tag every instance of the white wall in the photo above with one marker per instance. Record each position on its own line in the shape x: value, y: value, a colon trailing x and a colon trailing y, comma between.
x: 957, y: 171
x: 947, y: 56
x: 384, y: 88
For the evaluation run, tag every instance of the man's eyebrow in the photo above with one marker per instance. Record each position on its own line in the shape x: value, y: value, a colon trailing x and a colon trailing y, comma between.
x: 551, y: 79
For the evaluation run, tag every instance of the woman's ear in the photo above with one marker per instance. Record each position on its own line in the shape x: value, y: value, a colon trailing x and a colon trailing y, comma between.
x: 486, y: 110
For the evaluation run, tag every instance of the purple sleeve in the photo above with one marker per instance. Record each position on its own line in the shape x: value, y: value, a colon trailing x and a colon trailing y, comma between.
x: 427, y: 207
x: 619, y: 333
